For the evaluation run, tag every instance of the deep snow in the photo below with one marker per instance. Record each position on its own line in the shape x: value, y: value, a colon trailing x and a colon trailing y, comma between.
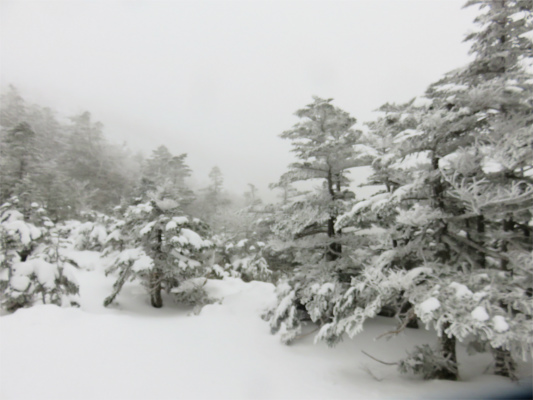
x: 133, y: 351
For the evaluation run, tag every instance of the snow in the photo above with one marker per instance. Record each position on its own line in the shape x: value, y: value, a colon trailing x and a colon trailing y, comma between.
x: 451, y: 87
x: 413, y: 160
x: 140, y: 260
x: 189, y: 285
x: 491, y: 166
x: 364, y: 150
x: 429, y: 305
x: 133, y: 351
x: 407, y: 134
x: 26, y: 232
x: 147, y: 228
x: 166, y: 204
x: 141, y: 208
x: 461, y: 291
x: 45, y: 272
x: 192, y: 238
x: 326, y: 288
x: 479, y: 313
x: 12, y: 215
x: 499, y: 323
x: 412, y: 275
x: 419, y: 215
x: 422, y: 102
x: 88, y: 260
x: 181, y: 220
x: 20, y: 283
x: 144, y: 262
x: 99, y: 234
x: 171, y: 225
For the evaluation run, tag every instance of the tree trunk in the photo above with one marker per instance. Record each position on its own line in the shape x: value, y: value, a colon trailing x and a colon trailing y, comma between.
x: 448, y: 351
x: 156, y: 275
x: 504, y: 363
x: 508, y: 226
x: 155, y: 288
x: 334, y: 249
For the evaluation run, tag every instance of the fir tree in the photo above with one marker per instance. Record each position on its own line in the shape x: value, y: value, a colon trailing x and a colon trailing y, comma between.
x: 328, y: 147
x: 457, y: 203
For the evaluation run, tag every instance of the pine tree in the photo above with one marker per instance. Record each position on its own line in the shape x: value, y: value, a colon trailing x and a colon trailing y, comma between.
x: 327, y: 147
x: 457, y: 203
x: 164, y: 252
x: 163, y: 170
x: 31, y: 270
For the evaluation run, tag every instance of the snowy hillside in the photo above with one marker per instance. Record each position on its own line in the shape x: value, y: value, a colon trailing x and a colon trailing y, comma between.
x: 226, y: 352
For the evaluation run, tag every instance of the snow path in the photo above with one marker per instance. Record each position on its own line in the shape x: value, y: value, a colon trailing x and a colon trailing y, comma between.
x: 227, y: 352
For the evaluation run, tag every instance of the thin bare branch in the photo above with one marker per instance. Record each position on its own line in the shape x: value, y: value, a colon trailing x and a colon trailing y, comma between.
x: 379, y: 361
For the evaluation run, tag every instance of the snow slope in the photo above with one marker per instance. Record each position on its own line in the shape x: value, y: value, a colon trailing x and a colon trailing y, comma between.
x: 134, y: 351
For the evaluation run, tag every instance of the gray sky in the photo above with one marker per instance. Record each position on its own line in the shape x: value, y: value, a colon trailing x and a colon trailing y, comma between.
x: 219, y: 80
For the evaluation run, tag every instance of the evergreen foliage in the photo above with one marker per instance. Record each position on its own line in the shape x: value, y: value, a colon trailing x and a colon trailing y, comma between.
x: 31, y: 268
x: 455, y: 215
x: 164, y: 251
x: 305, y: 225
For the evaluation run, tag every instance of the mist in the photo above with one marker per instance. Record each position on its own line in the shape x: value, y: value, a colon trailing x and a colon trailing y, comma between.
x: 220, y: 80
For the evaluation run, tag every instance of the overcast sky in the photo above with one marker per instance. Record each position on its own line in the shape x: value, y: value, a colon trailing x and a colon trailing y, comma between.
x: 220, y: 80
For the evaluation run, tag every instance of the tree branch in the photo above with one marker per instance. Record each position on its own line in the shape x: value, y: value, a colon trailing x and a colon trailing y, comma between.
x: 410, y: 315
x: 310, y: 233
x: 476, y: 246
x: 379, y: 361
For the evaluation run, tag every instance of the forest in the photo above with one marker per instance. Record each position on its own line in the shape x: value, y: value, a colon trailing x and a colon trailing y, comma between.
x: 442, y: 247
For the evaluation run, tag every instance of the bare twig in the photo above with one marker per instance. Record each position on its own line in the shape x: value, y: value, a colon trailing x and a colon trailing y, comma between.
x: 379, y: 361
x: 410, y: 315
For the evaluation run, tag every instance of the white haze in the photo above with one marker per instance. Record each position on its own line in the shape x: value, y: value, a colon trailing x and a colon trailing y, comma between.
x: 219, y: 80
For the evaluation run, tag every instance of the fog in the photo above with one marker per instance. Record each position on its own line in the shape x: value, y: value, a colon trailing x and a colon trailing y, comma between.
x: 220, y: 80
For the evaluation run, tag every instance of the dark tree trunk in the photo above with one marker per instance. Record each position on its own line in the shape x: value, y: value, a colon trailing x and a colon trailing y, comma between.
x: 504, y: 363
x: 508, y: 226
x: 156, y: 274
x: 448, y: 351
x: 334, y: 249
x: 413, y: 322
x: 480, y: 239
x: 155, y: 288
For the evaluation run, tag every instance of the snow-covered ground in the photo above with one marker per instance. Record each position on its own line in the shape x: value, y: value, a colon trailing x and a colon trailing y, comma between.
x: 133, y: 351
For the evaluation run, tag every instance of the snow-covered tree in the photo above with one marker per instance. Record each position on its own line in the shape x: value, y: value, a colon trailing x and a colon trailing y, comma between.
x: 327, y: 147
x: 31, y: 268
x: 456, y: 211
x: 164, y: 170
x: 164, y: 252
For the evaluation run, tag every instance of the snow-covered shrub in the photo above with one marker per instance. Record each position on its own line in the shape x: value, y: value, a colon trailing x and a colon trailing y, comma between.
x: 31, y: 270
x: 37, y: 281
x: 116, y: 240
x: 426, y: 362
x: 192, y: 292
x: 93, y: 234
x: 368, y: 293
x: 241, y: 258
x: 165, y: 249
x: 19, y: 236
x: 309, y: 295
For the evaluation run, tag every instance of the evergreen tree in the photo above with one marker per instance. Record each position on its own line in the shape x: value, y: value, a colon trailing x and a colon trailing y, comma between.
x: 31, y: 270
x: 163, y: 170
x: 164, y: 252
x: 327, y: 147
x: 457, y: 205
